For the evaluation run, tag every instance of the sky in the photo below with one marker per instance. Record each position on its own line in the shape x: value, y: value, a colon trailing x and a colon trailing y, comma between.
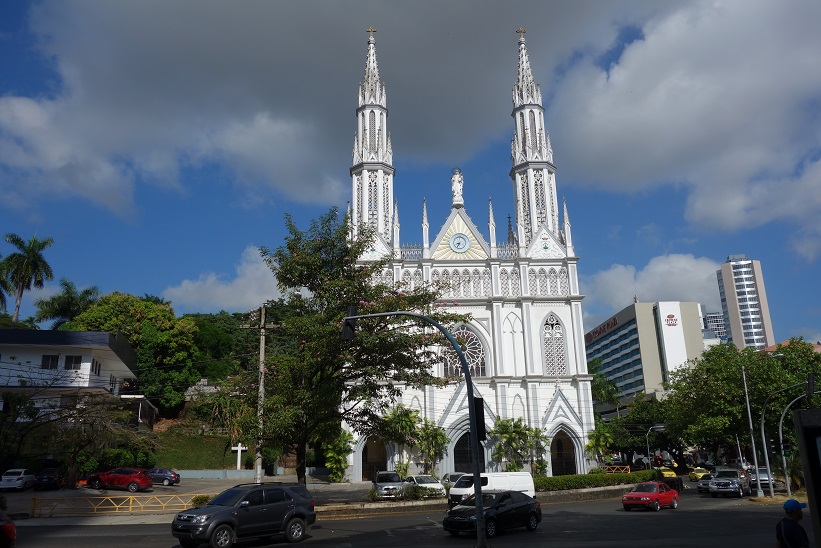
x: 160, y: 144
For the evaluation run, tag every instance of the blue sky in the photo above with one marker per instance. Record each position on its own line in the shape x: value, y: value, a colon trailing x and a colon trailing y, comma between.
x: 161, y: 143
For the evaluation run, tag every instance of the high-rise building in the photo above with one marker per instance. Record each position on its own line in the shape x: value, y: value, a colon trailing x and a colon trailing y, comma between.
x: 744, y: 303
x: 714, y: 321
x: 525, y: 341
x: 642, y: 344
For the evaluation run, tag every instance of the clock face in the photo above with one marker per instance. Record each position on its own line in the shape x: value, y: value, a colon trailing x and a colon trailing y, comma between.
x: 459, y: 243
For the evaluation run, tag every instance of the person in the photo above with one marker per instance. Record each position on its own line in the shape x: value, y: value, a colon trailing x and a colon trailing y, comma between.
x: 788, y: 532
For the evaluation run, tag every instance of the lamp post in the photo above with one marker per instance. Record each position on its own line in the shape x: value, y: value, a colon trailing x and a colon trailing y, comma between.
x: 758, y: 491
x: 764, y: 436
x: 654, y: 428
x: 347, y: 332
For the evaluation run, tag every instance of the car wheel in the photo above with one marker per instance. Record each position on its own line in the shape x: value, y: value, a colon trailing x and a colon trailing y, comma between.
x: 295, y: 530
x: 532, y: 522
x: 166, y: 482
x: 490, y: 528
x: 626, y: 508
x: 133, y: 487
x: 222, y: 537
x: 95, y: 484
x: 655, y: 507
x: 674, y: 504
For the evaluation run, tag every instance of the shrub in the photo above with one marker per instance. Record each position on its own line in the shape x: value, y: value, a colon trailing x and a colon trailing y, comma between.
x: 582, y: 481
x: 597, y: 471
x: 200, y: 500
x: 373, y: 496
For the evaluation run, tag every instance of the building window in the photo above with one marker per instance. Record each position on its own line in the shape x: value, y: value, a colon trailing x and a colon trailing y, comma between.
x: 473, y: 350
x: 49, y: 361
x: 96, y: 367
x: 554, y: 350
x: 73, y: 363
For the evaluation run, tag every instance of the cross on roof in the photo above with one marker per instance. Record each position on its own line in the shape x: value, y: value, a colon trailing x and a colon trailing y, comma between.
x: 521, y: 32
x: 371, y: 30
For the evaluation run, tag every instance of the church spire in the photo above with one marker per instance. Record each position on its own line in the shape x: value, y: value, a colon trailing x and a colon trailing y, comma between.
x: 372, y: 170
x: 531, y: 155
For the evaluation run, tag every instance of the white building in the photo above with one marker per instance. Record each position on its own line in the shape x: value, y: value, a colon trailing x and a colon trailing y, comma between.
x: 525, y: 342
x: 744, y: 303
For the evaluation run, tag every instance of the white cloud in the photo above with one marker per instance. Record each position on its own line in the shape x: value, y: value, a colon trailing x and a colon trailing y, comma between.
x: 664, y: 278
x: 252, y: 285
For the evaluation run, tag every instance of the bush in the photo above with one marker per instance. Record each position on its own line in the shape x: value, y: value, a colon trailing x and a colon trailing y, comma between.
x: 582, y: 481
x: 373, y: 496
x: 597, y: 471
x: 200, y: 500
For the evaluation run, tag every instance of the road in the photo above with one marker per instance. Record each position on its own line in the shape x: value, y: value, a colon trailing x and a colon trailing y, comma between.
x: 699, y: 521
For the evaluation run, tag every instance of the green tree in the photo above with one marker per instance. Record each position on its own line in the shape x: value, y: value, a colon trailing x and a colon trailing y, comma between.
x: 314, y: 379
x: 510, y: 442
x: 600, y: 441
x: 431, y: 443
x: 400, y: 426
x: 336, y: 455
x: 26, y: 267
x: 163, y: 343
x: 66, y: 305
x: 223, y: 347
x: 603, y: 390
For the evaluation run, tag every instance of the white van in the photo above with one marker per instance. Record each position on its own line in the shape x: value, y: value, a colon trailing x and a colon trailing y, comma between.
x: 494, y: 481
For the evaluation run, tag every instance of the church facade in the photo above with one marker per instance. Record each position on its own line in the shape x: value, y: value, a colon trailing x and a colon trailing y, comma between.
x: 525, y: 341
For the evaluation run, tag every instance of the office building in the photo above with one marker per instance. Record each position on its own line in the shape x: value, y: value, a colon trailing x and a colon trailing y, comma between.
x: 744, y: 303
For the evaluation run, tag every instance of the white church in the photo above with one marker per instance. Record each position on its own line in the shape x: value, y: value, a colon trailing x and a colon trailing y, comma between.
x: 525, y: 342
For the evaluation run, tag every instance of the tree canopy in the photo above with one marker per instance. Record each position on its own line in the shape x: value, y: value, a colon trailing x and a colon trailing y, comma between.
x: 26, y: 267
x: 66, y: 305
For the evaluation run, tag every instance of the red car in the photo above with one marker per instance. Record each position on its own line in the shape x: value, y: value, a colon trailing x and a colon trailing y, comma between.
x: 8, y: 531
x: 651, y: 495
x: 133, y: 479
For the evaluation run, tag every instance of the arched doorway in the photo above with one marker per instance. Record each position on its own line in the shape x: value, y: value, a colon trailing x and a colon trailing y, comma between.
x: 374, y: 458
x: 462, y: 460
x: 562, y: 455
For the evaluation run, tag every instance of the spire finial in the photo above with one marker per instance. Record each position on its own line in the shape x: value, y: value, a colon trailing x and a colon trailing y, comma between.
x: 521, y: 33
x: 370, y: 30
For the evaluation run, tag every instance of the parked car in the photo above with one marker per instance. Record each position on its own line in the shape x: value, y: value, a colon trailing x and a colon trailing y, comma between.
x: 133, y: 479
x: 696, y: 473
x: 17, y: 478
x: 8, y: 531
x: 48, y: 478
x: 449, y: 478
x: 164, y: 476
x: 492, y: 481
x: 651, y: 495
x: 387, y: 484
x: 247, y: 511
x: 765, y: 478
x: 428, y: 485
x: 730, y: 481
x: 667, y: 472
x: 703, y: 485
x: 502, y: 510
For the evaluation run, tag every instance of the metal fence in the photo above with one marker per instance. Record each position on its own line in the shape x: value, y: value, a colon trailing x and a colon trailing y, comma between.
x: 120, y: 504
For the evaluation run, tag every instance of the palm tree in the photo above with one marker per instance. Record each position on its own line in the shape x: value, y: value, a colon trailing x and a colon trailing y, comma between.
x: 26, y: 267
x: 66, y: 305
x: 511, y: 436
x: 4, y: 287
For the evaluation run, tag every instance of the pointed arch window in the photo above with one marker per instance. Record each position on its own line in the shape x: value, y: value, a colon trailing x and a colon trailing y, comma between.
x: 532, y: 129
x: 538, y: 190
x: 564, y: 283
x: 373, y: 203
x: 372, y: 132
x: 523, y: 133
x: 476, y: 281
x: 542, y: 282
x: 417, y: 279
x: 554, y: 282
x: 472, y: 348
x: 486, y: 288
x: 555, y: 355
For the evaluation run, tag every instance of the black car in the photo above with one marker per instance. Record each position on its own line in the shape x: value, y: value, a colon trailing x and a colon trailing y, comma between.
x: 247, y: 511
x: 164, y: 476
x: 503, y: 510
x: 48, y: 478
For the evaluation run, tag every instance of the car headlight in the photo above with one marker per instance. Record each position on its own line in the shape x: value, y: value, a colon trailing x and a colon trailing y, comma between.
x: 199, y: 520
x: 472, y: 518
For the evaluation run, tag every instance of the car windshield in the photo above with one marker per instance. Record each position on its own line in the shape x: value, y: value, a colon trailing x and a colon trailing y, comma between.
x: 426, y: 479
x: 645, y: 488
x: 229, y: 497
x: 706, y: 477
x: 391, y: 477
x: 487, y: 500
x: 467, y: 481
x: 14, y: 473
x: 727, y: 474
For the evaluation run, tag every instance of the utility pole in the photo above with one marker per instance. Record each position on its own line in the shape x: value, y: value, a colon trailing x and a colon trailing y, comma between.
x: 258, y: 475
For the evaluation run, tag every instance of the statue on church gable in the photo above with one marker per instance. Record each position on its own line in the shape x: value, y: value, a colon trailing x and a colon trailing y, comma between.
x: 456, y: 183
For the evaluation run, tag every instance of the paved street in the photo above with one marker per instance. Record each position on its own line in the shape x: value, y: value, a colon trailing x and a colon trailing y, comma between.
x: 699, y: 521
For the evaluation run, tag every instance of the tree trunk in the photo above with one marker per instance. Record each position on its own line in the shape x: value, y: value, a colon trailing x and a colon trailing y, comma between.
x: 17, y: 301
x: 301, y: 451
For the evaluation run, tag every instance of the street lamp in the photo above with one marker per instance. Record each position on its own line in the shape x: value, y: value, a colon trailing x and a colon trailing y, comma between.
x: 758, y: 491
x: 654, y: 428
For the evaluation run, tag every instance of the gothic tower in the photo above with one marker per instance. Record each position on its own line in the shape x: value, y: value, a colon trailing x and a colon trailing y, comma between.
x: 372, y: 169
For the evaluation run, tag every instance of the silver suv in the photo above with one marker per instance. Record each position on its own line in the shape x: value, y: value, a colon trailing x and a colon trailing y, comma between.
x: 247, y: 511
x: 388, y: 485
x: 730, y: 481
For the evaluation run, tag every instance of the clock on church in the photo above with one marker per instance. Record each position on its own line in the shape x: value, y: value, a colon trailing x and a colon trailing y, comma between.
x: 459, y: 242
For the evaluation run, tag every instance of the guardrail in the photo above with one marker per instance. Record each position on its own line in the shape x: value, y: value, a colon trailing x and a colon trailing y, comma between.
x: 616, y: 469
x: 119, y: 504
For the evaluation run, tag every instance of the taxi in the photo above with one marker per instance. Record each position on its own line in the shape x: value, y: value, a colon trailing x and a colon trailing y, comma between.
x: 696, y: 473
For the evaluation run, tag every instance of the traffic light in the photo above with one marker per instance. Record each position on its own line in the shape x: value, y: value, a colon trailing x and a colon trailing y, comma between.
x: 773, y: 446
x: 349, y: 326
x: 787, y: 448
x: 479, y: 408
